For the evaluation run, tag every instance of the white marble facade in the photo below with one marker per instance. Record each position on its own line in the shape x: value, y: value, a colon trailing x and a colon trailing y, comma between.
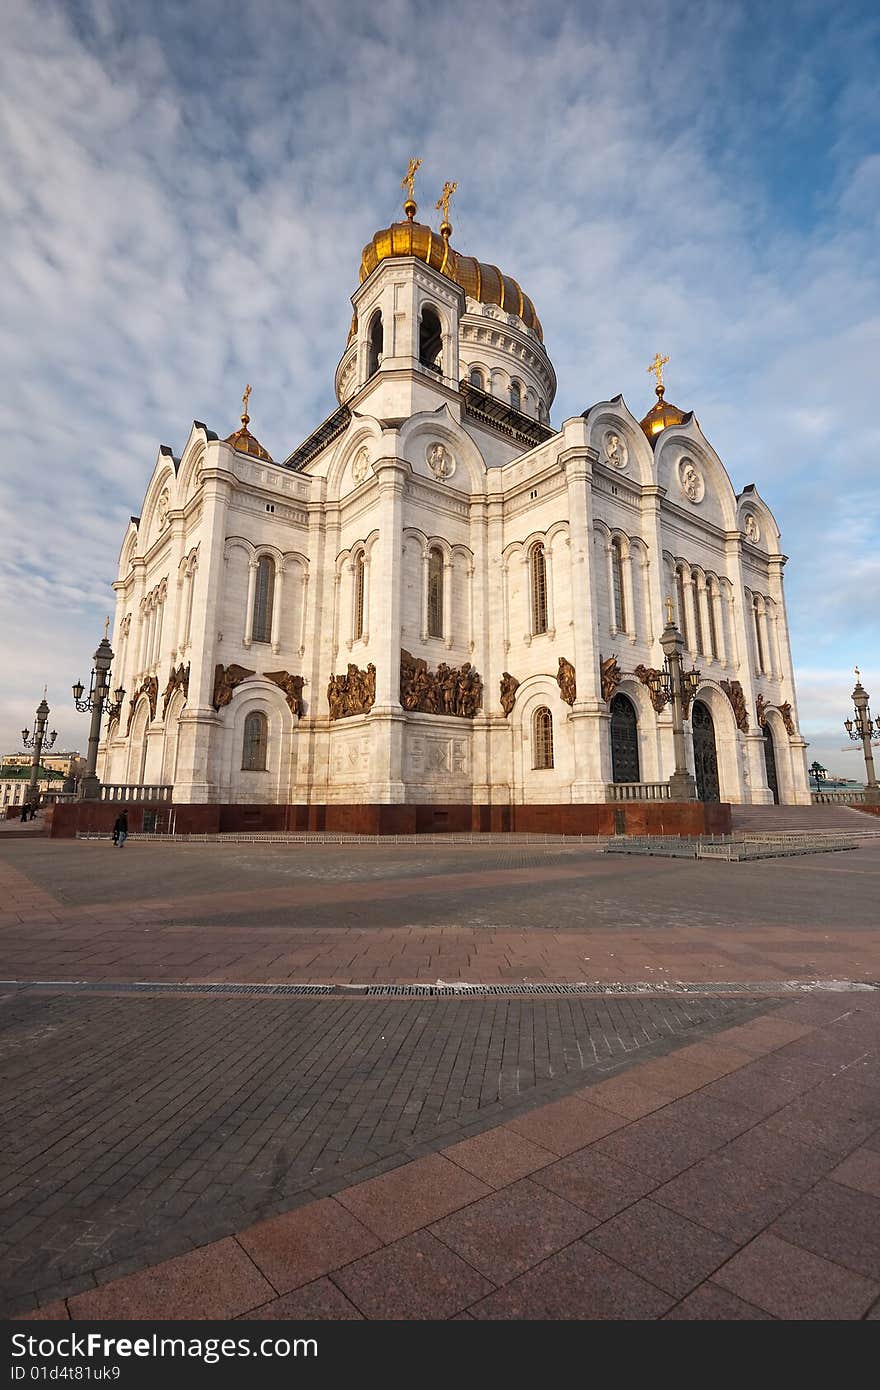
x: 457, y: 525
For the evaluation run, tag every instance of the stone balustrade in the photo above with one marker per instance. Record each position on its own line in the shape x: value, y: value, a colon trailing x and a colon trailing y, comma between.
x: 839, y: 798
x: 139, y: 791
x: 638, y: 791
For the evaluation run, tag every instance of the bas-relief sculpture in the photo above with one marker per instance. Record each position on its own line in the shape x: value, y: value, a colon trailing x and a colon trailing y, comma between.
x: 150, y: 688
x: 353, y: 693
x: 509, y: 687
x: 691, y: 480
x: 565, y: 678
x: 178, y: 680
x: 226, y: 678
x: 734, y: 692
x: 784, y: 709
x: 611, y: 676
x: 448, y: 690
x: 292, y: 687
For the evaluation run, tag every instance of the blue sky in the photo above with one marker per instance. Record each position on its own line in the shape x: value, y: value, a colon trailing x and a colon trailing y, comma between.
x: 186, y: 189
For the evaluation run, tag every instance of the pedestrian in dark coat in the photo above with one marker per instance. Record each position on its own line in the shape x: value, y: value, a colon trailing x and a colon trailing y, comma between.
x: 120, y: 829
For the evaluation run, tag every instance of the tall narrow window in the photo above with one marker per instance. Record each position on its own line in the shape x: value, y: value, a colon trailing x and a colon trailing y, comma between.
x: 435, y: 593
x: 542, y: 738
x: 713, y: 630
x: 682, y: 616
x: 759, y: 641
x: 430, y: 339
x: 538, y: 565
x: 698, y: 617
x: 516, y: 395
x: 256, y: 739
x: 376, y: 343
x: 264, y: 587
x: 476, y: 379
x: 359, y: 573
x: 617, y: 580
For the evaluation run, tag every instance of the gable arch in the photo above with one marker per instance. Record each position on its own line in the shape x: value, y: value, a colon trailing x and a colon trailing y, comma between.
x: 364, y: 431
x: 687, y: 441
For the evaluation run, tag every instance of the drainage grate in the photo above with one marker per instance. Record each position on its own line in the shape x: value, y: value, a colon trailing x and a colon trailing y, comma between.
x: 442, y: 989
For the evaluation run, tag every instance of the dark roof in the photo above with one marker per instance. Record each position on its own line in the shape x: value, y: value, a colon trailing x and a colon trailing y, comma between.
x: 489, y: 410
x: 327, y: 431
x: 15, y: 772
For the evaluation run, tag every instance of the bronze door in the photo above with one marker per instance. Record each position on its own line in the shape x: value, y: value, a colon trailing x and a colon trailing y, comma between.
x: 705, y: 756
x: 624, y: 741
x: 770, y: 763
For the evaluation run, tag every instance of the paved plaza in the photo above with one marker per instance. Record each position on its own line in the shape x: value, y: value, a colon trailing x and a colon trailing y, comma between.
x: 215, y: 1147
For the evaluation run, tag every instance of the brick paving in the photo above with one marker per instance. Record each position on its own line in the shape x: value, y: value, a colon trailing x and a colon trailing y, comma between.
x: 137, y: 1126
x: 717, y: 1157
x: 500, y: 1227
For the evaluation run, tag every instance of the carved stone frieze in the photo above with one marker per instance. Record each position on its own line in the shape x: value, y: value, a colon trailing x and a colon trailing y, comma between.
x: 178, y: 680
x: 611, y: 676
x: 566, y: 680
x: 509, y: 687
x: 226, y: 678
x: 292, y: 687
x: 448, y: 690
x: 150, y: 688
x: 734, y: 692
x: 353, y: 693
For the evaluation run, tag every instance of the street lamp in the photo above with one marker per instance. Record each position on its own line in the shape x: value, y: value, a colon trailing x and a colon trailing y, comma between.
x: 95, y: 701
x: 38, y: 739
x: 678, y: 686
x: 863, y: 730
x: 819, y: 774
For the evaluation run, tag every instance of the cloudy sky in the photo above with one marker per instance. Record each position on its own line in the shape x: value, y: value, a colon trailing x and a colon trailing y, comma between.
x: 185, y: 189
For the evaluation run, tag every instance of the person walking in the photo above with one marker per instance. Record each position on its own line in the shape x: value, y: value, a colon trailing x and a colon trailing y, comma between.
x: 26, y: 806
x: 120, y: 829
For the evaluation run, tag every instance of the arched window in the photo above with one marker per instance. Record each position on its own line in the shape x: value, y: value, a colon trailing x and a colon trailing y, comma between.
x: 255, y: 742
x: 430, y: 339
x: 542, y: 738
x: 617, y: 581
x: 698, y: 619
x: 264, y: 593
x: 359, y: 574
x: 682, y: 617
x: 476, y: 379
x: 516, y: 395
x: 713, y: 630
x: 759, y: 641
x: 376, y: 343
x: 435, y: 593
x: 538, y: 567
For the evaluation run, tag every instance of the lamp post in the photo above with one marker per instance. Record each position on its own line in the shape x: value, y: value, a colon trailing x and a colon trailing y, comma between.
x: 819, y: 774
x: 37, y: 738
x: 99, y: 690
x: 678, y: 686
x: 863, y: 730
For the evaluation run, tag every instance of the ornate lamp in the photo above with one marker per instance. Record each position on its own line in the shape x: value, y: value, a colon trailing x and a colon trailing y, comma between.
x: 863, y: 730
x: 95, y: 702
x: 38, y: 739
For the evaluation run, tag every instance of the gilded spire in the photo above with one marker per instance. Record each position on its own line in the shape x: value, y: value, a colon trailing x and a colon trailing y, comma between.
x: 443, y: 202
x: 242, y: 439
x: 410, y: 207
x: 656, y: 368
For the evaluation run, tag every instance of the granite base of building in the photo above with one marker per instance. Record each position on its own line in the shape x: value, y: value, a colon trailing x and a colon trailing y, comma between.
x: 638, y: 818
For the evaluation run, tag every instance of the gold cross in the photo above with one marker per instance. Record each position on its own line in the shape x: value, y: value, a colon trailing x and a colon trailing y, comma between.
x: 443, y: 200
x: 409, y: 177
x: 245, y: 398
x: 657, y: 367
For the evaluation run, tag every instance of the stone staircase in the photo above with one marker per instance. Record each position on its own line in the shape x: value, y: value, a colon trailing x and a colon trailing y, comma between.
x: 802, y: 820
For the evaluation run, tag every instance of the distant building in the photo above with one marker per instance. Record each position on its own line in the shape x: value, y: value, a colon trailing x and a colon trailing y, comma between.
x: 68, y: 764
x: 15, y: 778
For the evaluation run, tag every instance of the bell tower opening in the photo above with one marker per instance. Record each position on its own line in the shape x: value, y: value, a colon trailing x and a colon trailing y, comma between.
x: 430, y: 339
x: 375, y: 344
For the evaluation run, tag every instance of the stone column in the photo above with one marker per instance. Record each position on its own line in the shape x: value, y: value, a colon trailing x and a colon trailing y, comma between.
x: 277, y: 601
x: 755, y: 768
x: 589, y: 716
x: 682, y: 785
x: 385, y: 637
x: 249, y: 608
x: 447, y: 603
x: 718, y: 609
x: 626, y: 564
x: 690, y: 605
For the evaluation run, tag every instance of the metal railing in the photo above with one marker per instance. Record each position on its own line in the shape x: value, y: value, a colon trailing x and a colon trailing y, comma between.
x: 137, y: 791
x: 638, y: 791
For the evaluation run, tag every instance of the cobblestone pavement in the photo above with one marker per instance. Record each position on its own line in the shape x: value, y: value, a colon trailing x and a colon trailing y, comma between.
x: 339, y: 913
x: 138, y: 1126
x: 737, y: 1178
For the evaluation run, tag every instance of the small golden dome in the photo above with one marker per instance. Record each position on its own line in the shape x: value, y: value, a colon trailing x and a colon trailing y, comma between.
x: 242, y: 439
x: 477, y: 279
x: 661, y: 415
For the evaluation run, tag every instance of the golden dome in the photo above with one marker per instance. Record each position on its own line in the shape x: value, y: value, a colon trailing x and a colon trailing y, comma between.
x: 242, y: 439
x: 477, y: 279
x: 661, y: 415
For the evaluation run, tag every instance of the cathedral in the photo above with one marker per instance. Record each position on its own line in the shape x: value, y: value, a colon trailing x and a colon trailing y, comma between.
x: 440, y: 610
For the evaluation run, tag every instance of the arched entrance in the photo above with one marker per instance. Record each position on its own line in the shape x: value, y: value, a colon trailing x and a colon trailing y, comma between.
x: 705, y: 754
x: 624, y: 741
x: 770, y: 762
